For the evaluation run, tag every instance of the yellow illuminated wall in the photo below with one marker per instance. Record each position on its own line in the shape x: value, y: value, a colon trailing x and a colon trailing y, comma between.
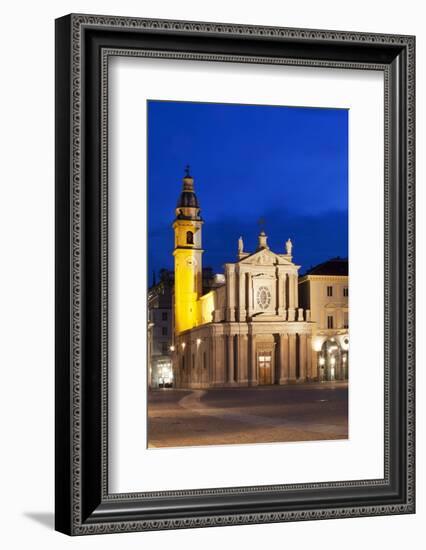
x: 188, y: 274
x: 206, y: 308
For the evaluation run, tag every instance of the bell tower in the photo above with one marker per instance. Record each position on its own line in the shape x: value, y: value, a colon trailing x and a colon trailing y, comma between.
x: 188, y: 256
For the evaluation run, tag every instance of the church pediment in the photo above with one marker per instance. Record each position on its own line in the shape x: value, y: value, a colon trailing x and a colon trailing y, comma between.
x: 264, y: 257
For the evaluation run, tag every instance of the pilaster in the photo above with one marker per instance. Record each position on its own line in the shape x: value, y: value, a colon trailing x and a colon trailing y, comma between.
x: 302, y: 357
x: 292, y: 358
x: 231, y: 366
x: 253, y: 381
x: 230, y: 292
x: 281, y: 298
x: 283, y: 358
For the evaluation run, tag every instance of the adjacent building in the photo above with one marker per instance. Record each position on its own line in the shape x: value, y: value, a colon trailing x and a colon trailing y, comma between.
x: 160, y: 332
x: 324, y: 289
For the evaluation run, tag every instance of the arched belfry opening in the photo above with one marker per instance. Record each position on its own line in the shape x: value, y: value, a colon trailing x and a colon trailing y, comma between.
x: 189, y: 237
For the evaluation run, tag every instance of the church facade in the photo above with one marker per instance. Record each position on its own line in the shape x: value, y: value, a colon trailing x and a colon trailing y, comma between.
x: 248, y: 331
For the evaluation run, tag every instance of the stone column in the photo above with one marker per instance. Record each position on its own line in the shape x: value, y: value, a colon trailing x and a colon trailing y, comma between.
x: 242, y: 359
x: 241, y: 296
x: 291, y: 294
x: 292, y: 358
x: 191, y: 362
x: 213, y: 359
x: 281, y: 294
x: 230, y: 292
x: 219, y: 360
x: 291, y: 304
x: 296, y: 290
x: 314, y: 364
x: 253, y: 361
x: 231, y: 366
x: 309, y: 357
x: 248, y: 295
x: 302, y: 356
x: 283, y: 358
x: 204, y: 350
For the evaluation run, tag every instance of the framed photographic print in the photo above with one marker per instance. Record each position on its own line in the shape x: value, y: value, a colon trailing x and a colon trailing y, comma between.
x: 234, y: 274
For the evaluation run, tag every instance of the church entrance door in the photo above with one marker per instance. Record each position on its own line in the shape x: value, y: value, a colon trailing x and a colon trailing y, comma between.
x: 264, y: 361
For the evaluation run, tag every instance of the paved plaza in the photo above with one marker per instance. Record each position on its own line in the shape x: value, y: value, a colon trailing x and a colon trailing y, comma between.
x: 306, y: 412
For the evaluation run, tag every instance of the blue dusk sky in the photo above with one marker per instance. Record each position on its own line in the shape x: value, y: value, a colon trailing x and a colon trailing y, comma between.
x: 285, y: 165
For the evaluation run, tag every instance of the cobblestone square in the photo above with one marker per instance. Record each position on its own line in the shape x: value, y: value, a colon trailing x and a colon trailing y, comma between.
x: 305, y: 412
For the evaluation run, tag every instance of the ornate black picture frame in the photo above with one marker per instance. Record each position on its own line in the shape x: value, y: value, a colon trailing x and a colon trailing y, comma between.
x: 83, y: 45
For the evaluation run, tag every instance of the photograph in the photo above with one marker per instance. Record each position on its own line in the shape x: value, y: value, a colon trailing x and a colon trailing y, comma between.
x: 248, y: 274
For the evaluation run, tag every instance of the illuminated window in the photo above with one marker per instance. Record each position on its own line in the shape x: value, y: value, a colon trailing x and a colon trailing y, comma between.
x: 329, y: 321
x: 329, y: 291
x: 189, y: 237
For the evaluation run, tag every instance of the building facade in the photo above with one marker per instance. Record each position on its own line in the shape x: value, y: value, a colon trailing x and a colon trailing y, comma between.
x: 160, y: 333
x: 249, y: 329
x: 325, y: 290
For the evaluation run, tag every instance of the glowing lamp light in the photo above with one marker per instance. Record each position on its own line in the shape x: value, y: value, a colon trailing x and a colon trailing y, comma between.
x: 183, y: 345
x: 172, y: 348
x: 198, y: 341
x: 317, y: 344
x: 321, y: 361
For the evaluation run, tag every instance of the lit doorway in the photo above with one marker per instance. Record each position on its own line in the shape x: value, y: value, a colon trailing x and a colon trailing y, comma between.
x: 264, y: 361
x: 330, y: 362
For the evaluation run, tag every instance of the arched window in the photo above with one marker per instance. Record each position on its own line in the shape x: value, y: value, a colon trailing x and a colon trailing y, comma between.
x: 189, y: 237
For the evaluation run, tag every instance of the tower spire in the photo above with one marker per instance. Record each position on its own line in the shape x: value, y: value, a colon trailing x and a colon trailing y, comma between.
x: 188, y: 198
x: 188, y: 256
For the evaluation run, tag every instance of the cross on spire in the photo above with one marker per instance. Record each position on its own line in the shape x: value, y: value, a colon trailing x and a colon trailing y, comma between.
x: 187, y: 172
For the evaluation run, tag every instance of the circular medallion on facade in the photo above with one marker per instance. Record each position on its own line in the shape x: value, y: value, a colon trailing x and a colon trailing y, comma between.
x: 263, y: 297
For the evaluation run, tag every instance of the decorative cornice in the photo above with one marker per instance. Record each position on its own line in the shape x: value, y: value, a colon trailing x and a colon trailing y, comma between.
x: 230, y: 29
x: 338, y: 278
